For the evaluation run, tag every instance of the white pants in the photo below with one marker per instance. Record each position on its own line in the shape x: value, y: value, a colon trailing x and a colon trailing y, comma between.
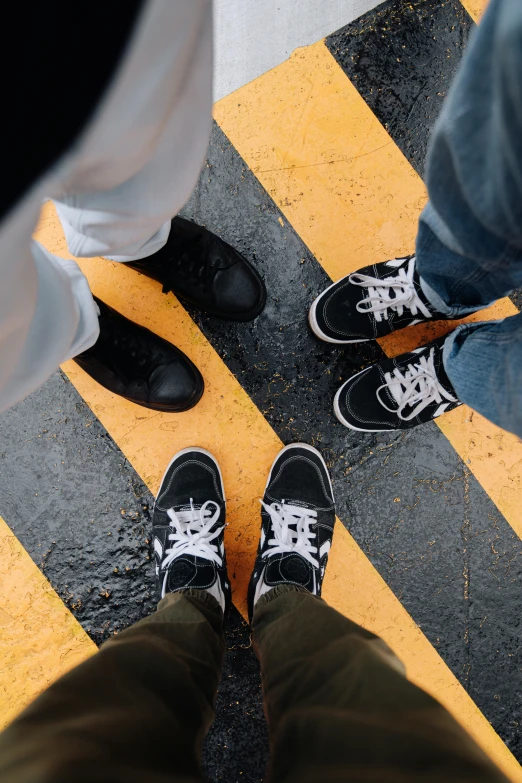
x: 134, y: 166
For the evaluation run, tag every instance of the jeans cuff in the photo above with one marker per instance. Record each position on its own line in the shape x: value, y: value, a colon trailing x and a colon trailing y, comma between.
x: 460, y: 333
x: 433, y: 298
x: 459, y: 311
x: 448, y: 347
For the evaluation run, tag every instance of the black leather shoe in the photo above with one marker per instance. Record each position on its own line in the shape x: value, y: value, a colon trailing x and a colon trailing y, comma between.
x: 201, y: 268
x: 135, y: 363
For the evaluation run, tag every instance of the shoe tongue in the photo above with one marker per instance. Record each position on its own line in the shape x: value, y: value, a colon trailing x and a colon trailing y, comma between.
x: 290, y: 505
x: 445, y: 381
x: 392, y: 400
x: 290, y: 568
x: 186, y: 514
x: 196, y: 508
x: 187, y: 507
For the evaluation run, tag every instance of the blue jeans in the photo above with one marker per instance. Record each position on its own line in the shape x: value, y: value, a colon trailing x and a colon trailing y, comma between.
x: 469, y: 244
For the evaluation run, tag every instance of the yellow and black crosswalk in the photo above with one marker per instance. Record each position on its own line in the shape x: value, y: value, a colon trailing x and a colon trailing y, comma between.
x: 313, y: 172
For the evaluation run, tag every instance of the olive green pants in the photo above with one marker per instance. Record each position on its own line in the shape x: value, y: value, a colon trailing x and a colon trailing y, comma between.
x: 338, y: 704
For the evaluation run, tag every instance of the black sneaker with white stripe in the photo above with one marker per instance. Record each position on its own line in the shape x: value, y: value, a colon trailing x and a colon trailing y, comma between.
x: 188, y: 526
x: 297, y: 522
x: 397, y: 394
x: 371, y: 303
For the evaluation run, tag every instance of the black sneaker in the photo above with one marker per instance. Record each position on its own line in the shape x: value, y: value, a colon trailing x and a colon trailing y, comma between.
x: 135, y: 363
x: 188, y: 526
x: 297, y: 523
x: 397, y: 394
x: 371, y: 303
x: 201, y: 268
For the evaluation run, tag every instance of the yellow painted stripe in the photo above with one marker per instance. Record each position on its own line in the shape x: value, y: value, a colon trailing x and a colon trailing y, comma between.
x: 228, y: 423
x: 39, y: 638
x: 354, y: 199
x: 475, y: 8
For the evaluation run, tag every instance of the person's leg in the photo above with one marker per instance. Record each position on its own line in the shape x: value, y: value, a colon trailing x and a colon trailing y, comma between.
x: 133, y: 168
x: 469, y: 244
x: 138, y: 160
x: 138, y: 164
x: 485, y: 368
x: 47, y: 313
x: 116, y: 190
x: 139, y: 709
x: 136, y: 711
x: 339, y: 706
x: 468, y: 254
x: 144, y: 146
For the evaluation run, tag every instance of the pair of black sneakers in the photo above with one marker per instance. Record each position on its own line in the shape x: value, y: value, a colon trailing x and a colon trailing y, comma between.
x: 137, y: 364
x: 393, y: 394
x: 297, y: 522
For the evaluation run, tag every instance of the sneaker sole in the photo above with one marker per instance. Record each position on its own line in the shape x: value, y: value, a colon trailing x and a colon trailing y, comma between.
x: 316, y: 329
x: 339, y: 416
x: 308, y: 448
x: 198, y: 450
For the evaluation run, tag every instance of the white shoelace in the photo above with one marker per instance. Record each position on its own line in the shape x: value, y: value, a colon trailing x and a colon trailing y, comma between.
x: 391, y: 293
x: 417, y: 388
x: 192, y: 535
x: 291, y: 526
